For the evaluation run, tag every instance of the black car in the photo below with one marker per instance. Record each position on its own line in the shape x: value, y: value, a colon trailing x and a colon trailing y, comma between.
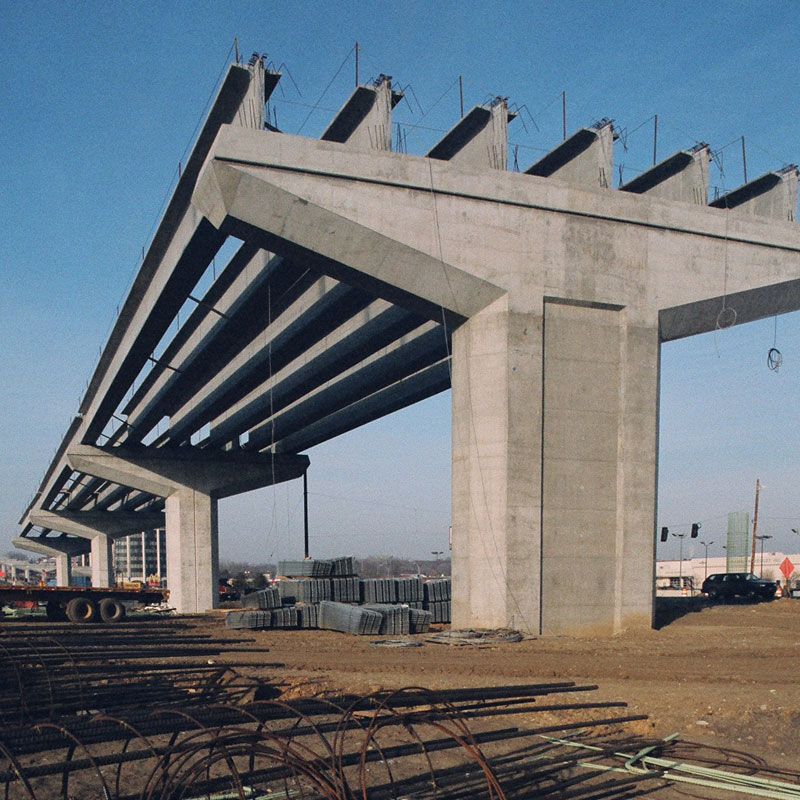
x: 727, y: 585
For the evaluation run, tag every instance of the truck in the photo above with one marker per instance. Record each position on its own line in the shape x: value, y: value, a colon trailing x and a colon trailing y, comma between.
x: 80, y: 603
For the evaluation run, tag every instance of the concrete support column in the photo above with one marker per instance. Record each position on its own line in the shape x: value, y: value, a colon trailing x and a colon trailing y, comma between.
x: 496, y: 382
x: 599, y: 470
x: 554, y: 471
x: 192, y: 550
x: 102, y: 558
x: 63, y: 570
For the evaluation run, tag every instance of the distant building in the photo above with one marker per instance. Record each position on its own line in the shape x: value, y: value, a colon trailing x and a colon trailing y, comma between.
x: 674, y: 574
x: 141, y: 557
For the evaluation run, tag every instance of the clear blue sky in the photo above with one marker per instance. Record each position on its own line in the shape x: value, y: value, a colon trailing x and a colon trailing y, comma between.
x: 100, y: 101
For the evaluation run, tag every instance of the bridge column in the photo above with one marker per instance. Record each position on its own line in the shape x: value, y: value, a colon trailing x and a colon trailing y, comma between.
x: 192, y: 481
x: 63, y: 570
x: 192, y: 550
x: 554, y: 472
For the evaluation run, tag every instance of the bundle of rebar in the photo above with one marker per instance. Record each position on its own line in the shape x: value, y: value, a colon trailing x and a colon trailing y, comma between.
x: 48, y: 671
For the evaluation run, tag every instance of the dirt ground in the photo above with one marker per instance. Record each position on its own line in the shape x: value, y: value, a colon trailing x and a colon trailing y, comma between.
x: 723, y: 675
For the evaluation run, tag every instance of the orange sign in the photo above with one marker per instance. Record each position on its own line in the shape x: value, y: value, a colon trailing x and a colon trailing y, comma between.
x: 787, y: 568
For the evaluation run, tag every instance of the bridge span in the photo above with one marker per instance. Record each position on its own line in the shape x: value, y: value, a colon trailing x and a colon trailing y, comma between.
x: 356, y: 281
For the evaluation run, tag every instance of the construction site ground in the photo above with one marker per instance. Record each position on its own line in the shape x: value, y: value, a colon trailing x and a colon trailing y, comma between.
x: 726, y: 675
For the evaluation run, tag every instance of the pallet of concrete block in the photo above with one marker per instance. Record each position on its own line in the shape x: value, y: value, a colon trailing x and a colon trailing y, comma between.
x: 343, y: 567
x: 304, y: 590
x: 307, y: 615
x: 395, y: 619
x: 263, y: 599
x: 408, y: 590
x: 440, y: 611
x: 305, y: 568
x: 286, y: 617
x: 419, y: 620
x: 436, y: 591
x: 349, y: 619
x: 250, y: 619
x: 378, y: 590
x: 345, y: 590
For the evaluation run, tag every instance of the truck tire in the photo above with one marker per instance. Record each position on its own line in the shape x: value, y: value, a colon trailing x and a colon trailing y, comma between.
x: 81, y: 609
x: 54, y: 611
x: 111, y: 610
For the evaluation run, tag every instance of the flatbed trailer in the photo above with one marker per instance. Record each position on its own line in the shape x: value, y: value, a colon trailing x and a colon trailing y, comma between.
x: 81, y: 603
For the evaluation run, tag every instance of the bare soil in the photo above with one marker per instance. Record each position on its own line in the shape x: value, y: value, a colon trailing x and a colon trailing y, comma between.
x: 722, y: 675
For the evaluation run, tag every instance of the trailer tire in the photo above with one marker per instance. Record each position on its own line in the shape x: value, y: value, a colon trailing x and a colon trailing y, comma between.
x: 54, y: 611
x: 81, y: 609
x: 111, y: 610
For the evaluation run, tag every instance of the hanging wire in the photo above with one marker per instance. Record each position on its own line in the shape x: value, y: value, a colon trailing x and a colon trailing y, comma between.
x: 774, y: 356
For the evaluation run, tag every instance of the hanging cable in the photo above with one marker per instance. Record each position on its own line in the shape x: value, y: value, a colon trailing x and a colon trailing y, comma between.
x: 774, y: 356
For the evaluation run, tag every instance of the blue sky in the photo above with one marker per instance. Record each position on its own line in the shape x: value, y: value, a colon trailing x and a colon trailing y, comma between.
x: 100, y: 101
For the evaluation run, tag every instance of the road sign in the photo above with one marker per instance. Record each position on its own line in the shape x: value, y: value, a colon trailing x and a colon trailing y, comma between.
x: 787, y: 568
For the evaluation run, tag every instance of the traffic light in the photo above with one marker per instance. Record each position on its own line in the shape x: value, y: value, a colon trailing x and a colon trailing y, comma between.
x: 664, y: 534
x: 695, y: 530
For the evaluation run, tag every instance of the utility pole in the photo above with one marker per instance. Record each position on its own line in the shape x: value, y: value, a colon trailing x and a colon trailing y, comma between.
x: 755, y: 528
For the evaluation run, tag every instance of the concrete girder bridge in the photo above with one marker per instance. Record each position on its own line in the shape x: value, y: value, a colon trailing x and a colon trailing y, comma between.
x: 364, y: 280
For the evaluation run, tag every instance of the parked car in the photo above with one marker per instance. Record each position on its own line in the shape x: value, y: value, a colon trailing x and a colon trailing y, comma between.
x: 727, y: 585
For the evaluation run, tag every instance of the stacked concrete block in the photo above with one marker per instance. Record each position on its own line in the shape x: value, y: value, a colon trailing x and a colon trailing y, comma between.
x: 408, y: 590
x: 343, y: 567
x: 308, y: 615
x: 305, y: 568
x: 378, y: 590
x: 263, y: 599
x: 250, y: 620
x: 349, y: 619
x: 419, y: 620
x: 285, y: 617
x: 395, y: 619
x: 345, y: 590
x: 437, y: 599
x: 312, y: 590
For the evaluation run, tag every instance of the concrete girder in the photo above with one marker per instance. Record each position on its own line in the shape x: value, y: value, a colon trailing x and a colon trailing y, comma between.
x: 222, y: 344
x: 364, y: 122
x: 408, y: 356
x: 232, y: 281
x: 773, y: 194
x: 683, y: 177
x: 376, y: 328
x: 407, y: 391
x: 585, y: 159
x: 134, y: 320
x: 192, y: 481
x: 317, y: 313
x: 479, y: 139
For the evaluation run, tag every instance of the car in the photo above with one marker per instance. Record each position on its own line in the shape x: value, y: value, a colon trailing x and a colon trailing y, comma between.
x: 727, y: 585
